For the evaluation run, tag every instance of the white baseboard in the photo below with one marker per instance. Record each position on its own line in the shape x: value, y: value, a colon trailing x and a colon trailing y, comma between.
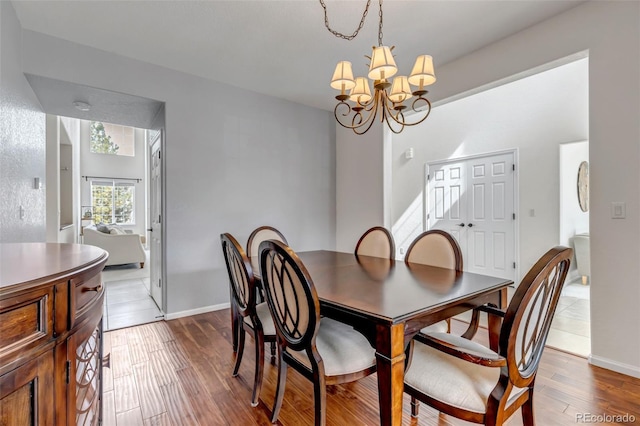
x: 196, y: 311
x: 619, y: 367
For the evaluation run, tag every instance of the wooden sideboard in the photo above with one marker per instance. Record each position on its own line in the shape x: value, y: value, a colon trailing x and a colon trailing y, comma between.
x: 51, y: 306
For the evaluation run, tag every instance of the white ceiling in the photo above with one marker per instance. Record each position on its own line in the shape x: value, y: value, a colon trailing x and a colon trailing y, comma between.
x: 281, y: 48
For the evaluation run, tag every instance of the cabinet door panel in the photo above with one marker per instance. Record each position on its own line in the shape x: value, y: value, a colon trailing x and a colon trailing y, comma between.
x: 85, y: 375
x: 26, y: 394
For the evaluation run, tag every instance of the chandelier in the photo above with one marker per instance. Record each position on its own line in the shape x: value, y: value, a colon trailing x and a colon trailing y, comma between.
x: 357, y: 107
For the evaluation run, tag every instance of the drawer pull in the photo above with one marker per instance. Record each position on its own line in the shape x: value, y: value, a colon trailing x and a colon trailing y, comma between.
x: 97, y: 288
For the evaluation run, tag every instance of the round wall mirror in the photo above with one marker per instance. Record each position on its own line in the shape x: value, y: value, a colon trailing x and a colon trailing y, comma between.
x: 583, y: 186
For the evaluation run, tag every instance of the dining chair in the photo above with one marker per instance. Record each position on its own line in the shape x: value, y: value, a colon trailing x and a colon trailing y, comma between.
x: 376, y: 242
x: 246, y: 315
x: 323, y: 350
x: 261, y: 234
x: 436, y: 248
x: 484, y: 385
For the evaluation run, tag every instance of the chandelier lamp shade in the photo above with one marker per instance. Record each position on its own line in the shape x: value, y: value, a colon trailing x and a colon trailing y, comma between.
x: 398, y: 100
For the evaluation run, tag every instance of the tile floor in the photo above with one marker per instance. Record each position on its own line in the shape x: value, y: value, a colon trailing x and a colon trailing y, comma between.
x: 570, y: 329
x: 127, y: 300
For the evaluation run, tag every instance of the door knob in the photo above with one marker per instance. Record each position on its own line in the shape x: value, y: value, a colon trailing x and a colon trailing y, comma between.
x: 461, y: 224
x: 470, y: 225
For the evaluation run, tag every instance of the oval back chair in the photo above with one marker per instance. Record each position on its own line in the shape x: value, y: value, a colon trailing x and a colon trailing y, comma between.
x: 246, y: 315
x: 323, y: 350
x: 261, y: 234
x: 464, y: 379
x: 437, y: 248
x: 376, y: 242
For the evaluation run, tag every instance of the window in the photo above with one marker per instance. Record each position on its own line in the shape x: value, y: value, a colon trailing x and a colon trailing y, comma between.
x: 113, y: 202
x: 111, y: 139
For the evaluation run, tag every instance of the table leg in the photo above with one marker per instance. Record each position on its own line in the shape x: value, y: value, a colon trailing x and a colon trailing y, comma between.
x: 494, y: 323
x: 390, y: 358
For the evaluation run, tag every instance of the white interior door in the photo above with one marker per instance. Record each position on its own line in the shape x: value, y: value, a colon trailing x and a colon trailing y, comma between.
x: 156, y: 220
x: 474, y: 200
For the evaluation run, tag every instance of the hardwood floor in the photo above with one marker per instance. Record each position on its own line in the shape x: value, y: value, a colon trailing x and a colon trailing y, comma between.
x: 179, y: 373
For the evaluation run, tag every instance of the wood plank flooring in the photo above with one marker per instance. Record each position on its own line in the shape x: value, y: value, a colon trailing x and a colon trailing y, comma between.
x: 179, y: 373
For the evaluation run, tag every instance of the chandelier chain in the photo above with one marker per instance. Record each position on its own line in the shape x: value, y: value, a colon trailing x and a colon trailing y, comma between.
x: 355, y: 33
x: 380, y: 26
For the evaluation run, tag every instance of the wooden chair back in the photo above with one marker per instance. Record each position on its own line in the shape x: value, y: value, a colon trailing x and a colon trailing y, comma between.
x: 528, y: 318
x: 435, y: 248
x: 376, y: 242
x: 240, y: 275
x: 261, y: 234
x: 290, y: 294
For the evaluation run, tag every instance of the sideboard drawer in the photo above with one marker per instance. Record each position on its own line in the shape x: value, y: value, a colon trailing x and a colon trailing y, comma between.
x: 26, y: 321
x: 86, y: 292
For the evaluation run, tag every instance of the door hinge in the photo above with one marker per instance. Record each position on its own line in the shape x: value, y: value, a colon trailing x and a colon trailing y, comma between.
x: 514, y: 265
x: 159, y: 155
x: 428, y: 216
x: 428, y: 176
x: 513, y: 167
x: 68, y: 372
x: 514, y: 216
x: 160, y: 282
x: 159, y: 218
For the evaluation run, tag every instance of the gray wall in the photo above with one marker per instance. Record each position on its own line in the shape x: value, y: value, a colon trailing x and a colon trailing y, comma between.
x: 234, y: 160
x: 22, y: 141
x: 611, y: 33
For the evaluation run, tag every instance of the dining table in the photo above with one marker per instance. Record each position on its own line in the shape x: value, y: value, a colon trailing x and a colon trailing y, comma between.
x: 389, y: 302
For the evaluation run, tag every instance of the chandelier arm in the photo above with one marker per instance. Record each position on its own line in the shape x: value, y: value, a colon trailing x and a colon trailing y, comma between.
x: 371, y: 110
x: 394, y: 119
x: 399, y: 117
x: 339, y: 34
x: 338, y: 106
x: 370, y: 119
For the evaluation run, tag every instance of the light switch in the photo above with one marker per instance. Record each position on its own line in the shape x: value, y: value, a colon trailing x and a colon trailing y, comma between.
x: 618, y: 210
x: 408, y: 154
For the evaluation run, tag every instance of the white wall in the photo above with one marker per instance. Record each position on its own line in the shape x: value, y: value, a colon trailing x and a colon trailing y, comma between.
x: 611, y: 33
x: 234, y: 160
x: 116, y: 166
x: 22, y: 141
x: 533, y: 115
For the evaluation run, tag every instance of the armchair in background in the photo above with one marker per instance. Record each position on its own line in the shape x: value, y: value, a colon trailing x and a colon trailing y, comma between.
x: 123, y: 248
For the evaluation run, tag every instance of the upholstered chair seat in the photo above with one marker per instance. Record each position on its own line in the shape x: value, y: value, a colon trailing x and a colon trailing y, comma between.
x: 451, y: 380
x: 262, y: 310
x: 343, y: 349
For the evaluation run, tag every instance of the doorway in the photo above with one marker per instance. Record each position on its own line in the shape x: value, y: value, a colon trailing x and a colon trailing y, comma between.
x: 473, y: 199
x: 571, y: 327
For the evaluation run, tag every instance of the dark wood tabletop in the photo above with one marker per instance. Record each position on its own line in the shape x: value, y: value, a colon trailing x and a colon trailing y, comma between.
x: 389, y: 291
